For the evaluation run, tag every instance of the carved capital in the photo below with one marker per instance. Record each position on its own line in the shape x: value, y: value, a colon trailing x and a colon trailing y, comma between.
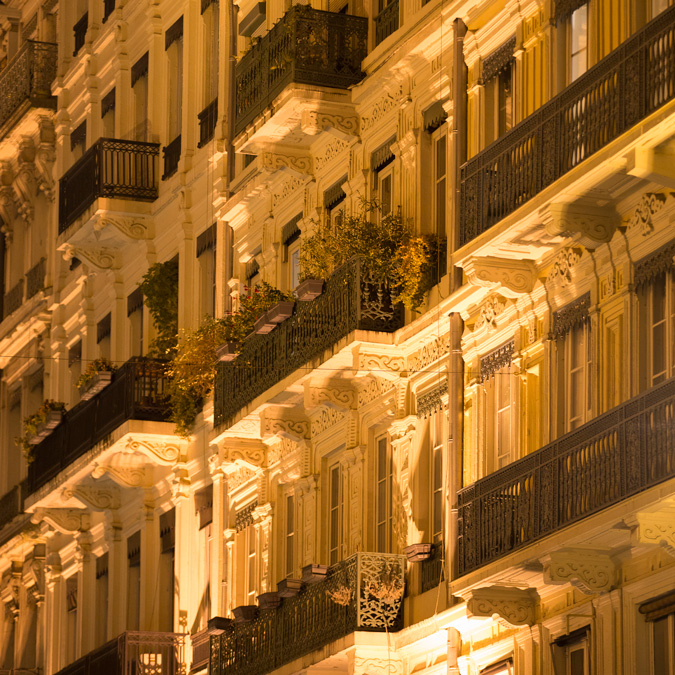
x: 589, y: 571
x: 591, y: 225
x: 65, y: 521
x: 515, y: 606
x: 512, y: 278
x: 656, y: 528
x: 181, y: 483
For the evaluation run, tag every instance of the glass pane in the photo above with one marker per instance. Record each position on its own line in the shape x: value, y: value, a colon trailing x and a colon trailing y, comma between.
x: 579, y: 42
x: 440, y: 207
x: 658, y: 6
x: 295, y: 268
x: 577, y: 661
x: 385, y: 195
x: 661, y: 648
x: 440, y: 157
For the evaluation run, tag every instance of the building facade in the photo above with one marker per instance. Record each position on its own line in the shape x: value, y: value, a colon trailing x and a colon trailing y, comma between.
x: 485, y: 484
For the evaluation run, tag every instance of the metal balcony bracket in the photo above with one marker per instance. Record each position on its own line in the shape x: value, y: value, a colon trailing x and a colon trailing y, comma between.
x: 516, y: 607
x: 653, y: 165
x: 655, y: 528
x: 591, y: 225
x: 590, y: 571
x: 512, y: 278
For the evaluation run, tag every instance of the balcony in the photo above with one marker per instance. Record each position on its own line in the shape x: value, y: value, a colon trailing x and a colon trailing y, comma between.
x: 621, y: 453
x: 349, y: 302
x: 110, y: 168
x: 11, y: 504
x: 13, y: 299
x: 316, y: 617
x: 207, y: 122
x: 625, y: 87
x: 431, y: 570
x: 307, y: 46
x: 27, y: 79
x: 137, y: 392
x: 134, y: 653
x: 386, y: 22
x: 171, y: 158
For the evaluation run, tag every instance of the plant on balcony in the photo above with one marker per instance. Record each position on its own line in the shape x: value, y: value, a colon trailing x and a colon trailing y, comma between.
x: 193, y: 368
x: 96, y: 376
x: 389, y: 250
x: 160, y: 288
x: 342, y: 595
x: 39, y: 425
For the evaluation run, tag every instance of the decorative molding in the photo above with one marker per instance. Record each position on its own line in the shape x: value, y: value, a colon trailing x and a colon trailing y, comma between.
x: 515, y: 606
x: 100, y: 257
x: 65, y: 521
x: 125, y: 476
x: 564, y: 263
x: 654, y: 264
x: 252, y: 455
x: 372, y: 665
x: 381, y: 108
x: 98, y: 498
x: 429, y: 353
x: 512, y: 278
x: 313, y: 122
x: 298, y: 428
x: 372, y: 388
x: 406, y: 148
x: 382, y: 363
x: 571, y: 315
x: 159, y: 452
x: 245, y: 516
x: 650, y: 204
x: 329, y: 152
x: 496, y: 359
x: 288, y: 188
x: 326, y: 418
x: 238, y: 478
x: 500, y: 58
x: 489, y: 312
x: 656, y: 528
x: 589, y: 571
x: 591, y: 225
x: 134, y: 229
x: 275, y: 161
x: 431, y: 401
x: 331, y: 392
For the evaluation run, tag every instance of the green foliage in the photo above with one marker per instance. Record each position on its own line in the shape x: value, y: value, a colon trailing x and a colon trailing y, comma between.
x: 97, y: 366
x: 193, y: 368
x: 388, y: 248
x: 32, y: 423
x: 160, y: 288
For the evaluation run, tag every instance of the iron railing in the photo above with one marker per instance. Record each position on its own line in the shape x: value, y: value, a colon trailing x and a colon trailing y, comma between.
x: 110, y: 168
x: 386, y: 22
x: 628, y: 449
x: 349, y: 302
x: 80, y: 31
x: 35, y: 279
x: 349, y: 599
x: 171, y: 157
x: 11, y: 505
x: 207, y: 122
x: 431, y: 570
x: 138, y: 391
x: 27, y: 77
x: 630, y: 83
x: 134, y: 653
x: 13, y: 299
x: 308, y: 46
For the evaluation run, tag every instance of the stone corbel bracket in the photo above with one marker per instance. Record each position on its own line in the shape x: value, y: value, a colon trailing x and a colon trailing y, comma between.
x: 251, y: 454
x: 515, y: 606
x: 126, y: 476
x: 103, y: 498
x: 512, y: 278
x: 341, y: 124
x: 300, y: 165
x: 590, y: 225
x: 66, y: 521
x: 100, y: 258
x: 657, y: 528
x: 131, y: 228
x: 591, y: 572
x: 162, y: 453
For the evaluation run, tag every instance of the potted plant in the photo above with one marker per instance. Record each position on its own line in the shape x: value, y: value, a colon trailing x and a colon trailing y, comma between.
x: 39, y: 425
x: 96, y: 377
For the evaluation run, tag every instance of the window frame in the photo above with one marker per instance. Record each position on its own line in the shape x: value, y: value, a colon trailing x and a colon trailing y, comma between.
x: 384, y: 484
x: 437, y: 136
x: 335, y: 507
x: 582, y: 9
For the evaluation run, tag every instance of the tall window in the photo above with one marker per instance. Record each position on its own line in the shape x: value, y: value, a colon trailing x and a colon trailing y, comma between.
x: 440, y: 160
x: 499, y: 392
x: 135, y: 317
x: 498, y: 75
x: 134, y: 581
x: 578, y: 42
x: 289, y: 536
x: 71, y: 618
x: 167, y: 556
x: 174, y: 50
x: 290, y: 238
x: 246, y: 552
x: 334, y: 513
x: 660, y: 616
x: 383, y: 495
x: 108, y: 114
x: 211, y: 38
x: 101, y: 599
x: 103, y: 330
x: 437, y: 511
x: 385, y: 188
x: 571, y: 654
x: 206, y: 257
x: 139, y: 83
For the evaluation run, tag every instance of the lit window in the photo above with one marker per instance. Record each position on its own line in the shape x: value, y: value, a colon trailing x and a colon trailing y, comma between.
x: 578, y: 31
x: 290, y: 535
x: 383, y: 495
x: 499, y: 394
x: 436, y: 438
x: 659, y: 6
x: 660, y: 616
x: 211, y: 35
x: 571, y: 653
x: 174, y: 50
x: 206, y: 257
x: 334, y: 513
x: 384, y: 190
x: 440, y: 144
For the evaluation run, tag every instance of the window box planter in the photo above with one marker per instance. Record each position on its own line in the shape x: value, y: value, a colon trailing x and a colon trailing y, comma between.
x: 273, y: 316
x: 217, y: 625
x: 289, y: 588
x: 228, y: 351
x: 245, y: 613
x: 96, y: 385
x: 309, y: 289
x: 269, y: 600
x: 313, y: 574
x: 418, y: 552
x: 52, y: 420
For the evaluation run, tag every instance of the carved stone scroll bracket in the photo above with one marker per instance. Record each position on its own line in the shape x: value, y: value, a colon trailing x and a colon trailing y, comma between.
x: 132, y: 229
x: 590, y: 225
x: 589, y: 571
x: 66, y: 521
x: 100, y: 258
x: 125, y: 475
x: 380, y: 364
x: 95, y: 497
x: 656, y: 528
x: 300, y: 165
x: 512, y: 278
x: 342, y: 125
x: 515, y: 606
x: 162, y: 453
x: 564, y: 263
x: 273, y: 424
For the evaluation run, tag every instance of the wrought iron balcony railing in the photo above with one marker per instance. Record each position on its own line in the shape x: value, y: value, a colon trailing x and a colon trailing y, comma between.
x: 35, y: 279
x: 134, y: 653
x: 307, y: 46
x: 137, y: 391
x: 11, y: 504
x: 386, y: 22
x: 207, y: 122
x: 12, y: 300
x: 171, y: 157
x: 110, y: 168
x: 27, y: 78
x: 626, y: 450
x: 432, y: 569
x: 349, y: 302
x: 632, y: 82
x: 364, y: 593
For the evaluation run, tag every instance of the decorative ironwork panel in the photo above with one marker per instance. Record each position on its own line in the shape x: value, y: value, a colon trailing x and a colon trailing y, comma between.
x: 660, y: 261
x: 386, y: 22
x: 12, y: 300
x: 633, y: 81
x: 207, y: 122
x: 431, y: 570
x: 315, y: 327
x: 496, y: 359
x: 110, y: 168
x: 362, y: 593
x: 616, y: 455
x: 571, y: 315
x: 35, y: 279
x: 27, y: 77
x: 307, y: 46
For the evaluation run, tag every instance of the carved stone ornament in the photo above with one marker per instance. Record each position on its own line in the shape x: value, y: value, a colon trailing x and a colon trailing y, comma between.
x: 238, y: 478
x: 656, y: 528
x: 650, y: 204
x: 591, y: 225
x: 158, y: 452
x: 339, y: 393
x: 134, y: 229
x: 327, y: 418
x: 381, y: 108
x: 252, y: 455
x: 298, y: 428
x: 99, y: 257
x: 370, y: 388
x: 329, y: 152
x: 381, y: 364
x: 564, y: 263
x: 290, y: 186
x: 500, y: 58
x: 571, y: 315
x: 313, y: 122
x: 429, y: 353
x: 589, y: 571
x: 300, y: 164
x: 431, y: 401
x: 496, y: 360
x: 515, y: 606
x: 653, y: 265
x: 128, y: 476
x: 512, y: 278
x: 374, y: 665
x: 406, y: 148
x: 94, y: 497
x: 489, y: 312
x: 65, y: 521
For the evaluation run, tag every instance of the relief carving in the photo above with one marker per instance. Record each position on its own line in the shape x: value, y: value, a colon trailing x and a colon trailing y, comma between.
x: 65, y: 521
x: 515, y: 606
x: 329, y: 152
x: 561, y: 272
x: 159, y: 452
x: 94, y: 497
x: 313, y: 122
x: 588, y: 571
x: 429, y: 353
x: 512, y: 278
x: 326, y: 418
x: 99, y: 257
x: 656, y: 528
x: 650, y: 204
x: 273, y: 161
x: 378, y: 111
x: 489, y: 312
x: 592, y: 225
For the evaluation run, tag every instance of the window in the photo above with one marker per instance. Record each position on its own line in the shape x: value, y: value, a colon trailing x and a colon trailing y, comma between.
x: 108, y: 114
x: 103, y: 330
x: 385, y: 190
x: 440, y: 163
x: 134, y: 581
x: 290, y: 536
x: 437, y: 510
x: 135, y: 316
x: 334, y: 514
x: 167, y: 535
x: 206, y: 257
x: 75, y: 367
x: 108, y: 8
x: 139, y: 84
x: 101, y: 599
x: 578, y: 42
x: 78, y: 140
x: 498, y: 81
x: 384, y: 496
x: 211, y: 16
x: 12, y: 457
x: 659, y: 613
x: 571, y: 653
x: 659, y: 6
x: 290, y: 238
x: 246, y: 554
x: 174, y: 50
x: 500, y: 423
x: 71, y: 619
